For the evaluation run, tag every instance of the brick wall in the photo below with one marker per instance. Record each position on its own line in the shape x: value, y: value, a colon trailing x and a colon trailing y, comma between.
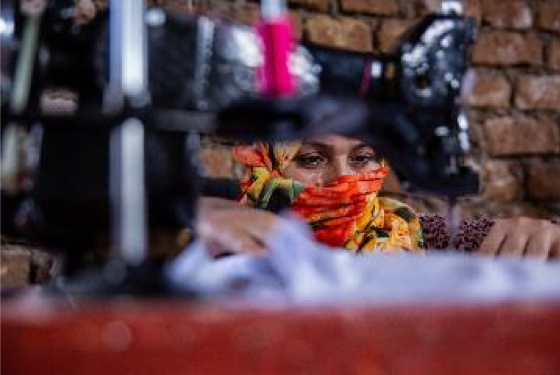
x: 515, y: 105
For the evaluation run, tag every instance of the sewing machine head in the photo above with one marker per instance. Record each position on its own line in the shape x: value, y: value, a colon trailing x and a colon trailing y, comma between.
x: 407, y: 102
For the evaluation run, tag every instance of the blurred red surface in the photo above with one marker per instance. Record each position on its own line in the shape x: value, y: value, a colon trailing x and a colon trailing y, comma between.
x: 162, y: 338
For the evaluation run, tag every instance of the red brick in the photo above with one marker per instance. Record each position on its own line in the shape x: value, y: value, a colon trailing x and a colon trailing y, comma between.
x: 554, y: 54
x: 378, y: 7
x: 543, y: 180
x: 519, y: 135
x: 514, y: 14
x: 14, y: 267
x: 392, y: 184
x: 187, y: 6
x: 423, y: 7
x: 248, y: 14
x: 538, y: 92
x: 59, y: 102
x: 549, y: 15
x: 471, y: 8
x: 490, y: 90
x: 297, y: 24
x: 502, y: 180
x: 225, y: 9
x: 507, y: 48
x: 348, y: 33
x: 390, y: 32
x: 320, y: 5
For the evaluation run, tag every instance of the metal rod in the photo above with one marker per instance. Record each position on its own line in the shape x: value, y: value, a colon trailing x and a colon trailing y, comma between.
x: 26, y: 60
x: 128, y: 193
x: 128, y: 48
x: 128, y: 84
x: 12, y: 158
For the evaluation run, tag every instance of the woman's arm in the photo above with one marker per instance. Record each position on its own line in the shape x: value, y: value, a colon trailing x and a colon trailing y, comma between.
x: 518, y: 237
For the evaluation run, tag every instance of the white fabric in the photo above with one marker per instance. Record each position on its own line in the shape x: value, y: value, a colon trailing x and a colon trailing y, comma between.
x: 300, y: 270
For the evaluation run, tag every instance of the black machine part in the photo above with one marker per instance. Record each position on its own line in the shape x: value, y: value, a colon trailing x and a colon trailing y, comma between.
x: 7, y: 45
x: 213, y: 71
x: 70, y: 199
x: 425, y: 71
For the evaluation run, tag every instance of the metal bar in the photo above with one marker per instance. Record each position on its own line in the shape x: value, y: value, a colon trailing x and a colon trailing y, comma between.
x: 128, y: 49
x: 128, y: 76
x: 128, y: 193
x: 205, y: 37
x: 15, y: 134
x: 24, y: 67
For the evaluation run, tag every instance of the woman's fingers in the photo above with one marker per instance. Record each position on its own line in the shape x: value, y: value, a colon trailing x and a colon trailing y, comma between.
x: 235, y: 230
x: 493, y: 241
x: 555, y: 250
x: 506, y: 238
x: 514, y: 245
x: 518, y: 237
x: 229, y: 240
x: 540, y: 247
x: 243, y: 243
x: 543, y: 236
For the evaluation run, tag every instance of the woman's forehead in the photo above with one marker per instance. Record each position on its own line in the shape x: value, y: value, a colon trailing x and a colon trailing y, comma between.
x: 334, y: 140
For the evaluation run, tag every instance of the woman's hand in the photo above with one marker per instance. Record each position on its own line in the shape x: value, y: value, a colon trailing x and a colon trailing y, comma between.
x: 228, y: 228
x: 522, y: 237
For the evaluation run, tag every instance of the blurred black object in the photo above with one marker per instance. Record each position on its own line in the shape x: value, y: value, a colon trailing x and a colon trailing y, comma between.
x: 200, y: 78
x: 416, y: 118
x: 69, y: 202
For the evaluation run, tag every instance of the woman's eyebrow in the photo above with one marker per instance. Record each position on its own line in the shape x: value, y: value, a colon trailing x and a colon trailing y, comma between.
x: 361, y: 146
x: 321, y: 146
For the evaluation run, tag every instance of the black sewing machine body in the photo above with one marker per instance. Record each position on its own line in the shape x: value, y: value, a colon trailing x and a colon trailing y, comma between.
x: 206, y: 83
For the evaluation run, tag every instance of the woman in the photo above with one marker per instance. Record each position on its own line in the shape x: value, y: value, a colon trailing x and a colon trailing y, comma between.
x: 331, y: 182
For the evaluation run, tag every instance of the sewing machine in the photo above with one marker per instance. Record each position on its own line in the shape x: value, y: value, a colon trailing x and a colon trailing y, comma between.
x: 132, y: 142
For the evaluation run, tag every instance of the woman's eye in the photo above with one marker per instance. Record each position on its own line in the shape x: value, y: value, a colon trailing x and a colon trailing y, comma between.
x: 362, y: 159
x: 310, y: 161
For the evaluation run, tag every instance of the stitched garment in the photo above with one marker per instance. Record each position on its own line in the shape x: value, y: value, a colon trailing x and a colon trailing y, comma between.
x: 344, y: 213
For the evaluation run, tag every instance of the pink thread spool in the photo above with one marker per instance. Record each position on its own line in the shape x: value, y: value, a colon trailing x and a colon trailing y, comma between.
x: 274, y: 29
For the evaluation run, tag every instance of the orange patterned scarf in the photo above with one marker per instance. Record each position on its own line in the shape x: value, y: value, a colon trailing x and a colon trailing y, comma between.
x: 345, y: 213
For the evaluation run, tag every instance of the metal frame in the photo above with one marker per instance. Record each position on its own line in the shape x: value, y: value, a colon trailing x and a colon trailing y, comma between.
x: 128, y: 80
